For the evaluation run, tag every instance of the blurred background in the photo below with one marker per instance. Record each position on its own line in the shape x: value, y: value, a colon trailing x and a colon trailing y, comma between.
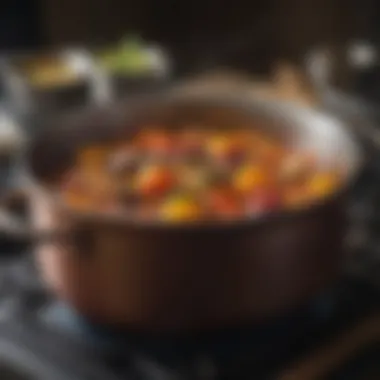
x: 200, y: 35
x: 196, y: 32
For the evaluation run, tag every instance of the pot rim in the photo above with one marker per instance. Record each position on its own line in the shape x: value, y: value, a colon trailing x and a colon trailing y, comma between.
x: 274, y: 108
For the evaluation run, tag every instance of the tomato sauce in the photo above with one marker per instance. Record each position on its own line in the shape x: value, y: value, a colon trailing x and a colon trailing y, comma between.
x: 193, y: 174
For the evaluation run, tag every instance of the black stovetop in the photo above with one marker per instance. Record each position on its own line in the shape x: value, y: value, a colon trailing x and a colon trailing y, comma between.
x: 44, y: 339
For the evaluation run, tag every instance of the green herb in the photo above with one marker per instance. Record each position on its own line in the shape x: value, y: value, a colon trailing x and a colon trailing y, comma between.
x: 128, y: 57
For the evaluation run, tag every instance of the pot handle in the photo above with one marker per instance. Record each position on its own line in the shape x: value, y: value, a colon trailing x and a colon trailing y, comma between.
x: 14, y: 226
x: 355, y: 112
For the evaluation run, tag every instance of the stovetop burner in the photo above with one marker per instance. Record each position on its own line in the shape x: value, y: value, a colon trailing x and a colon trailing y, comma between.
x: 270, y: 345
x: 44, y: 337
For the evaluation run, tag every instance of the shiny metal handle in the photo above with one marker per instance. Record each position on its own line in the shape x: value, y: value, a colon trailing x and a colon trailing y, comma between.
x: 16, y: 227
x: 11, y: 224
x: 355, y: 112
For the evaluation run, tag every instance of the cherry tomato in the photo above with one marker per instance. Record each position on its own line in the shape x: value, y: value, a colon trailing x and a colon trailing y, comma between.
x: 154, y: 180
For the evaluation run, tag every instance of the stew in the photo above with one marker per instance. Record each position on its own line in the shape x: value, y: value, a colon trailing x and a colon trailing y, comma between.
x: 195, y: 174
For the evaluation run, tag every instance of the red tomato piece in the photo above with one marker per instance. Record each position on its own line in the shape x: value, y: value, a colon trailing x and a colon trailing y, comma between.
x: 224, y: 203
x: 154, y: 180
x: 263, y: 201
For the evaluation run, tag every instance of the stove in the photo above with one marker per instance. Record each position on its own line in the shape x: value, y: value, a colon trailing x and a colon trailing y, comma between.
x: 331, y: 337
x: 335, y: 336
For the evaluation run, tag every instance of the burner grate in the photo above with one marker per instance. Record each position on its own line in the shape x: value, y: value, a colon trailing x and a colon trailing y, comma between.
x: 227, y: 354
x: 223, y: 344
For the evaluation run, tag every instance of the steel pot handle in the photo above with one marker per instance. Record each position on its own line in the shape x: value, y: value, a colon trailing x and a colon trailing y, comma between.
x: 355, y: 112
x: 14, y: 226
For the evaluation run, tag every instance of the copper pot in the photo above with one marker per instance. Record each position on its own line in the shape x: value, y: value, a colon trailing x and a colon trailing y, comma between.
x: 161, y: 278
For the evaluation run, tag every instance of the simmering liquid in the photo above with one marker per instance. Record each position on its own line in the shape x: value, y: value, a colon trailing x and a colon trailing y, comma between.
x: 193, y: 174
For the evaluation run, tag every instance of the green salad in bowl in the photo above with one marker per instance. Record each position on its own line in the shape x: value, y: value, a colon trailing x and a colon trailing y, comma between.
x: 132, y: 57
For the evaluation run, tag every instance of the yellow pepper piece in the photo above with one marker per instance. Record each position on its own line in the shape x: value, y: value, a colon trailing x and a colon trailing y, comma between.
x: 322, y: 184
x: 180, y: 209
x: 249, y: 178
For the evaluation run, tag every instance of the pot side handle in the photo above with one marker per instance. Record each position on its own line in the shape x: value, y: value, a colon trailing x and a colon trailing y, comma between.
x: 14, y: 226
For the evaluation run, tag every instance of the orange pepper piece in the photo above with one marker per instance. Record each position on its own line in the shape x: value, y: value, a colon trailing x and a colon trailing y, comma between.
x: 249, y: 178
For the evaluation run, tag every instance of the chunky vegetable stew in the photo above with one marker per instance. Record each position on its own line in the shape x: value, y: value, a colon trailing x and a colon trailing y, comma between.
x: 193, y: 174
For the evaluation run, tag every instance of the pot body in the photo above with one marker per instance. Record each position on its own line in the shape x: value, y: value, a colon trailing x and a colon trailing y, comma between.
x: 173, y: 279
x: 162, y: 281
